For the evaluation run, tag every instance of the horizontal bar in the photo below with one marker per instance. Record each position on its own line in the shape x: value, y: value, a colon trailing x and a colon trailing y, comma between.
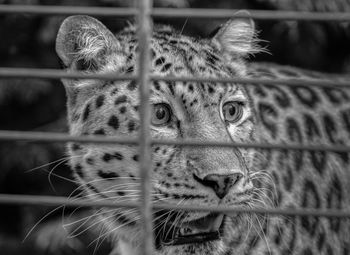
x: 255, y: 14
x: 21, y: 200
x: 67, y: 10
x: 174, y: 13
x: 58, y: 74
x: 60, y: 137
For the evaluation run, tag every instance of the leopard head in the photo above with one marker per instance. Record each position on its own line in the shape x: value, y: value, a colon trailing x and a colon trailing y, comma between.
x: 203, y: 111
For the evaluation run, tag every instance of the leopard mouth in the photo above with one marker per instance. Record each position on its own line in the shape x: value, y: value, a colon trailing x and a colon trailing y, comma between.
x: 205, y: 229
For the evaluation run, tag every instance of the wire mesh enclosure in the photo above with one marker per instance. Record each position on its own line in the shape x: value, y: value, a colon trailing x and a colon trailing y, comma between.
x: 144, y: 14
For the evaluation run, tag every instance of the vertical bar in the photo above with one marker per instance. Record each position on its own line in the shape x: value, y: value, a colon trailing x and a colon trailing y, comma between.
x: 145, y: 31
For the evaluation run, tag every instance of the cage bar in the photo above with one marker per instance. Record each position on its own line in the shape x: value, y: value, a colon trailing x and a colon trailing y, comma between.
x: 144, y: 36
x: 174, y: 13
x: 14, y: 73
x: 47, y: 137
x: 32, y: 200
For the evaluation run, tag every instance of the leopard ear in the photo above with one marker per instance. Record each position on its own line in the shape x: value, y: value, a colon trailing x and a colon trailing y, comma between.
x: 237, y: 36
x: 83, y: 43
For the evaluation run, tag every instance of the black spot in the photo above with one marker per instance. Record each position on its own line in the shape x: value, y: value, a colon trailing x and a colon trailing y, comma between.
x: 86, y: 112
x: 307, y: 251
x: 120, y: 100
x: 121, y: 193
x: 90, y: 161
x: 311, y: 127
x: 331, y: 128
x: 295, y: 135
x: 171, y: 86
x: 130, y: 69
x: 114, y: 91
x: 79, y: 170
x: 336, y: 95
x: 76, y: 147
x: 310, y: 199
x: 160, y: 61
x: 122, y: 109
x: 280, y: 96
x: 288, y: 179
x: 345, y: 115
x: 267, y: 111
x: 108, y: 157
x: 132, y: 85
x: 131, y: 126
x: 156, y: 85
x: 107, y: 175
x: 334, y: 198
x: 211, y: 90
x: 329, y: 250
x: 113, y: 122
x: 318, y: 158
x: 100, y: 101
x: 166, y: 67
x: 320, y: 240
x: 260, y: 91
x: 135, y: 158
x: 306, y: 95
x: 130, y: 57
x: 118, y: 156
x: 331, y: 131
x: 153, y: 53
x: 100, y: 131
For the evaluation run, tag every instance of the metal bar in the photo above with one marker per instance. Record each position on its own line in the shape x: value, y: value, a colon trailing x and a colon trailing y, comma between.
x: 174, y: 13
x: 144, y: 36
x: 58, y: 74
x: 48, y: 137
x: 10, y: 199
x: 67, y: 10
x: 255, y: 14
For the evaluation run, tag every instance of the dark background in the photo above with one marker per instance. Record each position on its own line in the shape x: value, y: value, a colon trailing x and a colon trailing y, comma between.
x: 39, y: 105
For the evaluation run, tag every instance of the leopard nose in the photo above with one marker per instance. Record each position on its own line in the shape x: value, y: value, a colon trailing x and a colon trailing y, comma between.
x: 220, y: 183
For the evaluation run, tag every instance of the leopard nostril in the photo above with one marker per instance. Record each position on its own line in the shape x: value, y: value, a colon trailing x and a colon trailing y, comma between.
x: 221, y: 184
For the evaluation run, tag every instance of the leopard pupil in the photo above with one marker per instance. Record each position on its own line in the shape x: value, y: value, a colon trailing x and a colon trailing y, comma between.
x: 160, y: 114
x: 232, y: 110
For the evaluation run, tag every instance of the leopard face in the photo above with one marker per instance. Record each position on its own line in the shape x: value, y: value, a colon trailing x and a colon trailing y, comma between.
x: 202, y: 176
x: 207, y: 176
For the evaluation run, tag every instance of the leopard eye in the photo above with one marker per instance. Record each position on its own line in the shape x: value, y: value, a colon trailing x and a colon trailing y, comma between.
x: 232, y: 111
x: 161, y: 114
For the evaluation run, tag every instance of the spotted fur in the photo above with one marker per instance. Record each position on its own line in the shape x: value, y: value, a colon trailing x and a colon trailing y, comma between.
x: 269, y: 113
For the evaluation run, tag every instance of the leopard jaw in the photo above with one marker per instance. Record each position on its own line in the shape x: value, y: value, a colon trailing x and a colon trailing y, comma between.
x: 200, y: 230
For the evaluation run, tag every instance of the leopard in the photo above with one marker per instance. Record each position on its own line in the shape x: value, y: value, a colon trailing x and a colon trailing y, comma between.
x: 207, y: 176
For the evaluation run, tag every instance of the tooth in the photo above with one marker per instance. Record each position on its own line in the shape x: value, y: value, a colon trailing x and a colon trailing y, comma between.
x: 217, y: 223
